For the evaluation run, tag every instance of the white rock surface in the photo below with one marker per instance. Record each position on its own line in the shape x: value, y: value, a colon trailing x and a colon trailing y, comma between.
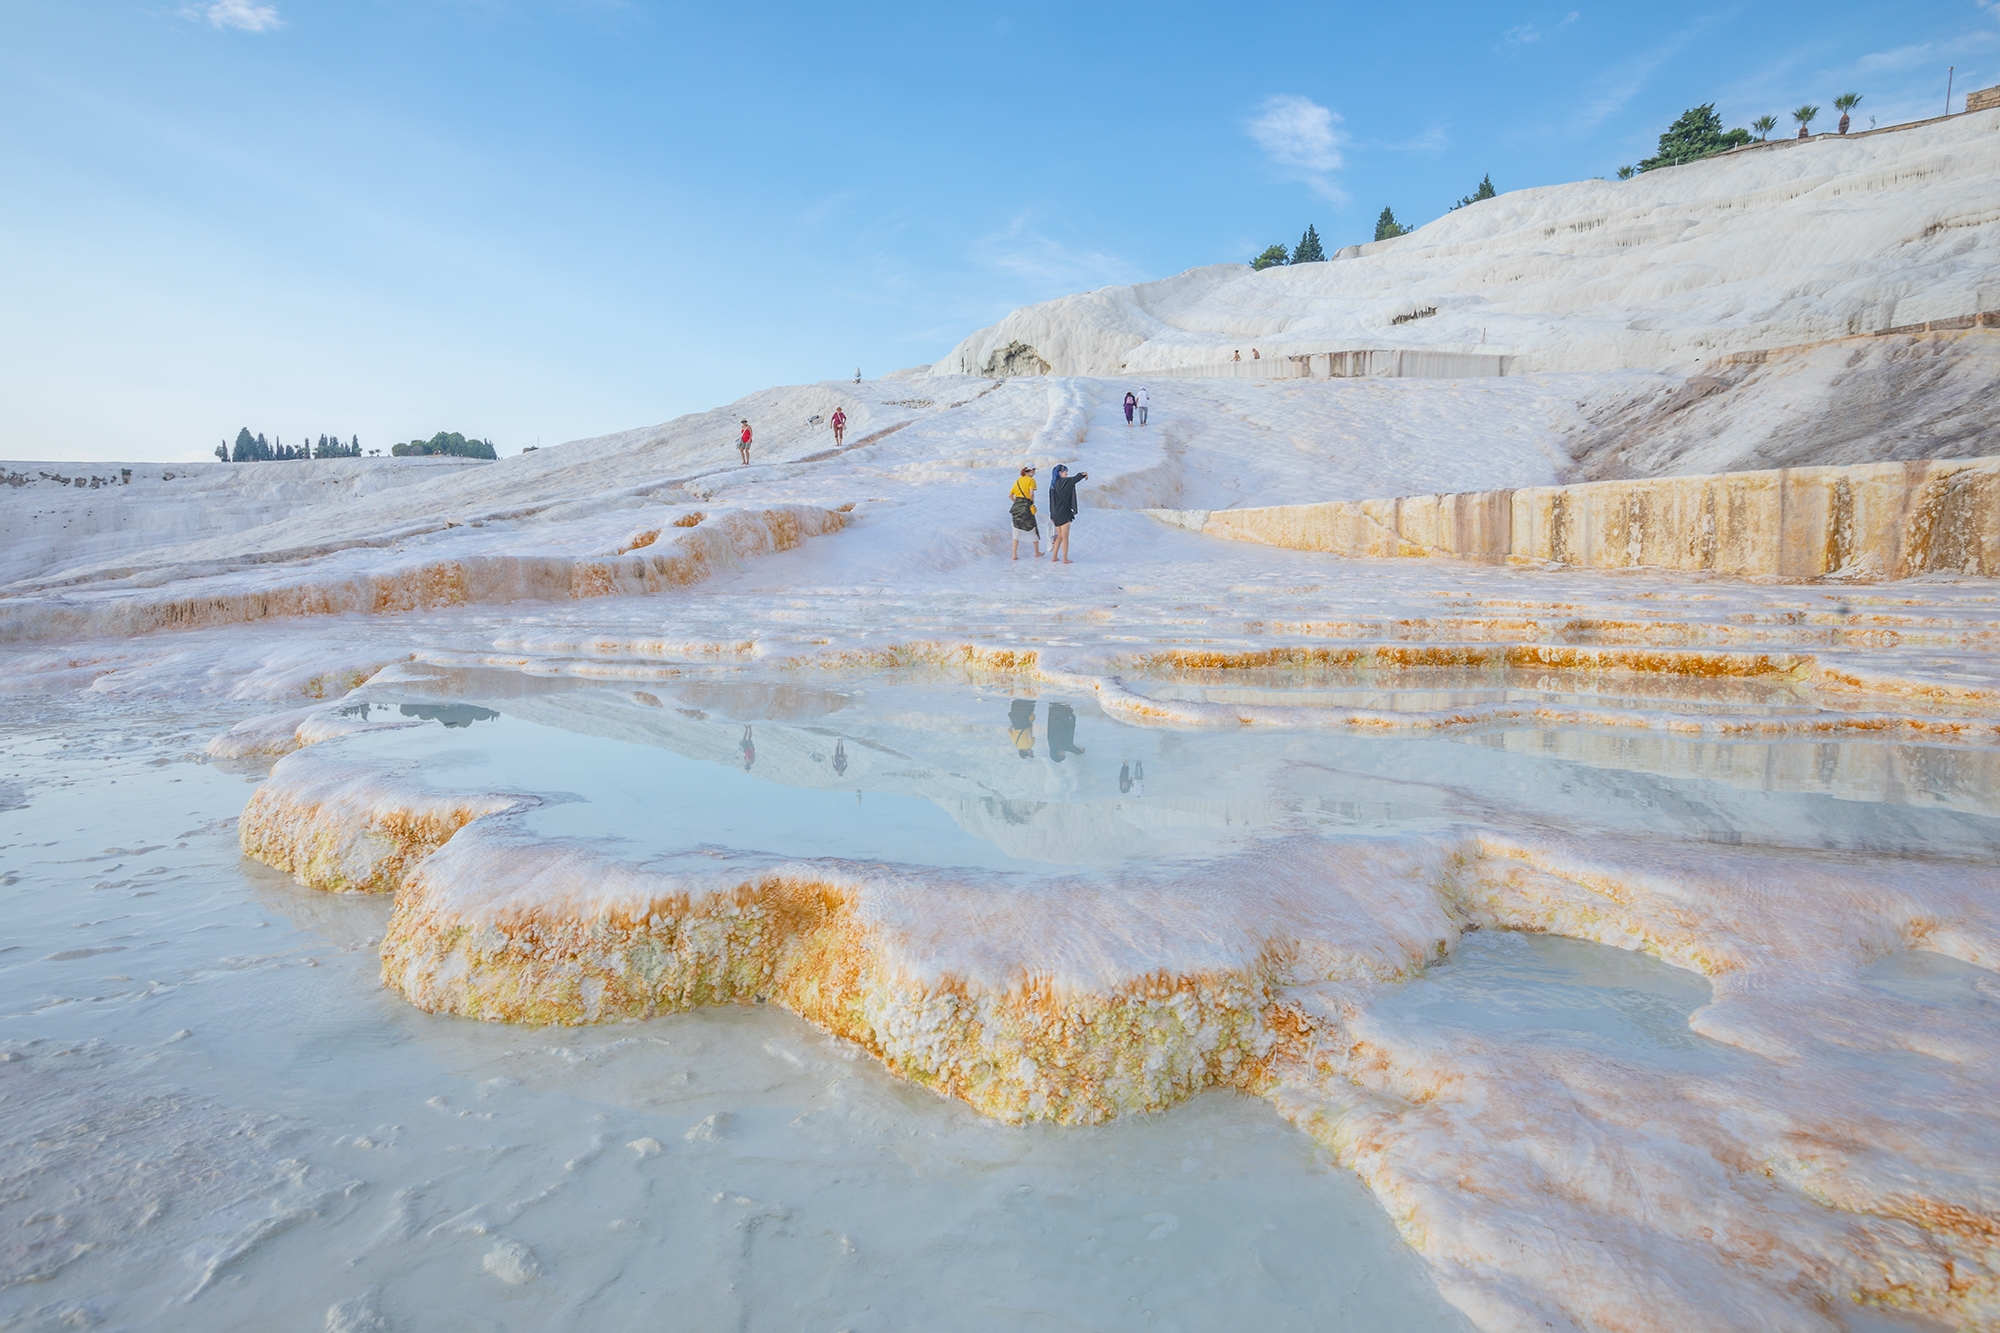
x: 1784, y: 243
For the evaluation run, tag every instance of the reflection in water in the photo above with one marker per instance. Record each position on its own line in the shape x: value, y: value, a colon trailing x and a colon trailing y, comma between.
x: 452, y: 715
x: 1132, y: 778
x: 1062, y: 732
x: 840, y: 758
x: 748, y: 747
x: 1021, y: 726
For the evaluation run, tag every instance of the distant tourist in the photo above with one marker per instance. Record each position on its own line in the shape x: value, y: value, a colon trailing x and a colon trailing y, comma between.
x: 743, y: 443
x: 1131, y: 406
x: 1254, y: 356
x: 1062, y: 732
x: 840, y: 758
x: 1143, y: 400
x: 749, y: 749
x: 1062, y: 510
x: 1238, y: 356
x: 839, y: 426
x: 1022, y: 505
x: 1021, y: 727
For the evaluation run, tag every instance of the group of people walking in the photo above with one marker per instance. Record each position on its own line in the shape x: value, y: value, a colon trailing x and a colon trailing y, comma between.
x: 838, y: 422
x: 1021, y: 496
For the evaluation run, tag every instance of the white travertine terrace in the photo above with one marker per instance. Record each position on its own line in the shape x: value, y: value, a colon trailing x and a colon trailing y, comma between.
x: 1838, y: 1146
x: 1836, y: 1152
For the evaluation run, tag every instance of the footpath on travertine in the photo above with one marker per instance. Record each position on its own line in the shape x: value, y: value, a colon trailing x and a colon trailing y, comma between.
x: 1864, y: 524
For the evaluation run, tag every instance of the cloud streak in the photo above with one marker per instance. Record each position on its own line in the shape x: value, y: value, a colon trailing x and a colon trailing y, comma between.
x: 247, y: 15
x: 1302, y: 139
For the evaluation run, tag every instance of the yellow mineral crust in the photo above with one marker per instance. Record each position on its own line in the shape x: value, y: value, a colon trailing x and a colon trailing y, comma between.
x: 944, y: 982
x: 472, y: 578
x: 345, y: 828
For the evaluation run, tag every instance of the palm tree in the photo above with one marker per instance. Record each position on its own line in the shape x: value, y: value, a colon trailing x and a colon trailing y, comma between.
x: 1764, y: 125
x: 1804, y: 116
x: 1846, y: 102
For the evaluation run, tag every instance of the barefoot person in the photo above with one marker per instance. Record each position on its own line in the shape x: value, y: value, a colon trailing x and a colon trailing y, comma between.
x: 1131, y: 406
x: 839, y: 426
x: 1062, y: 510
x: 1022, y: 506
x: 1144, y: 399
x: 743, y: 443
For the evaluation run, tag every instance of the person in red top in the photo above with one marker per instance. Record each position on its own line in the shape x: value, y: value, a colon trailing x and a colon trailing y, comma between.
x: 743, y: 444
x: 839, y: 426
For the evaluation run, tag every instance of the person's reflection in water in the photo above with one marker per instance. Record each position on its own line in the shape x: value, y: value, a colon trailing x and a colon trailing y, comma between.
x: 1062, y: 732
x: 1124, y: 779
x: 840, y: 757
x: 1138, y: 777
x: 749, y: 749
x: 1021, y: 726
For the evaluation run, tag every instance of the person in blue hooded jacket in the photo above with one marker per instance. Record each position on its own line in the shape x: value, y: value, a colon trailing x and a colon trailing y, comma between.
x: 1062, y: 510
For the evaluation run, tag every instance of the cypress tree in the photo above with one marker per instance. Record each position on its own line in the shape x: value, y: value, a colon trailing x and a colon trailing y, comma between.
x: 246, y: 447
x: 1308, y: 251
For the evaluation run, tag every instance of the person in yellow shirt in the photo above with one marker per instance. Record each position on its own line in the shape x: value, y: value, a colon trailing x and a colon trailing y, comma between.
x: 1021, y: 727
x: 1022, y: 499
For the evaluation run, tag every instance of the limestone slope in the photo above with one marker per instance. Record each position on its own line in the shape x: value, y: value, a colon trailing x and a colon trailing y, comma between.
x: 1786, y: 243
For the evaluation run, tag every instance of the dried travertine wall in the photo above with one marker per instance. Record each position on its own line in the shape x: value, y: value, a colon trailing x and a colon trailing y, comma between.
x: 1867, y: 523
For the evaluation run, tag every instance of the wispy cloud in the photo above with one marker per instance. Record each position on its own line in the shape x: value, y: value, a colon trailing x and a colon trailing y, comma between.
x: 248, y: 15
x: 1023, y: 252
x: 1527, y: 34
x: 1433, y: 140
x: 1926, y: 53
x: 1622, y: 82
x: 1302, y: 139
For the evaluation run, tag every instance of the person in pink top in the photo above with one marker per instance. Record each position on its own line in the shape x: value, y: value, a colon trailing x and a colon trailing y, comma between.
x: 839, y: 426
x: 743, y: 443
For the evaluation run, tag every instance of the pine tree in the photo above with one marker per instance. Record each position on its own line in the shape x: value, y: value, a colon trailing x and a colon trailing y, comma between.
x: 1485, y: 191
x: 1273, y: 256
x: 1387, y: 227
x: 1697, y: 134
x: 1308, y: 251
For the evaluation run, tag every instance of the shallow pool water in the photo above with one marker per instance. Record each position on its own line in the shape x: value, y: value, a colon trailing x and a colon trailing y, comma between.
x: 1554, y: 990
x: 933, y: 773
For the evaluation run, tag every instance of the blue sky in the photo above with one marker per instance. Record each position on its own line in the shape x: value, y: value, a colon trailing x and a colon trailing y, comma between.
x: 546, y: 219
